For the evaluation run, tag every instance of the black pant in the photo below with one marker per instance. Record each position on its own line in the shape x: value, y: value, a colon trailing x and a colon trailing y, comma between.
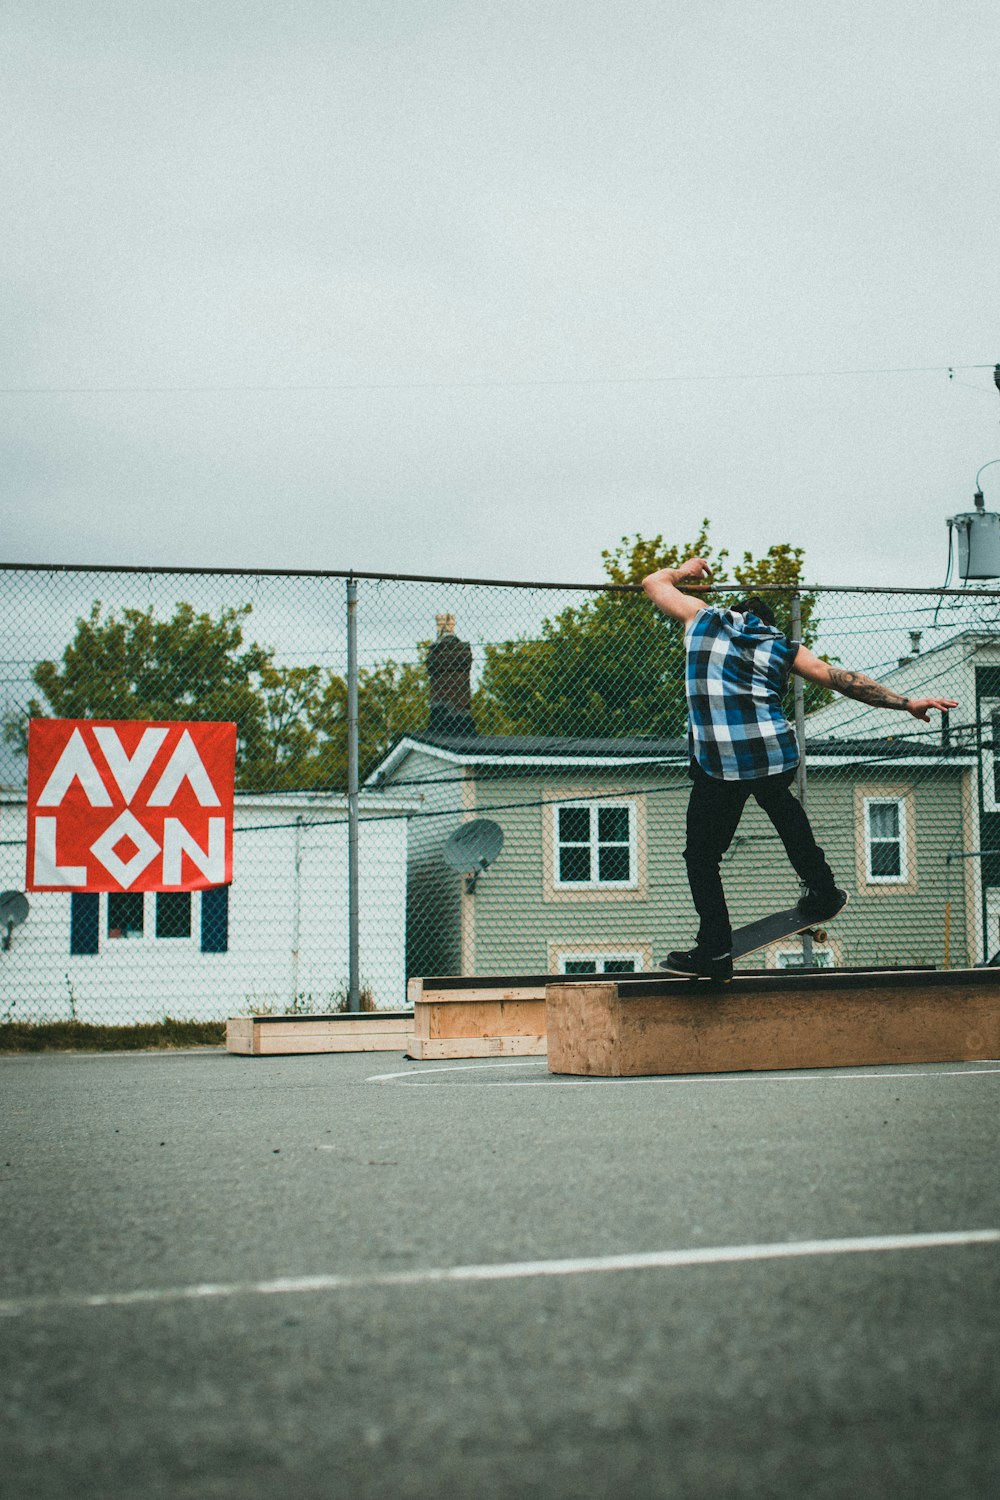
x: 713, y: 816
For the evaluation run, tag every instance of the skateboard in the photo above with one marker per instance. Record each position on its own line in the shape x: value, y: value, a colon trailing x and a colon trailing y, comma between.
x: 767, y: 930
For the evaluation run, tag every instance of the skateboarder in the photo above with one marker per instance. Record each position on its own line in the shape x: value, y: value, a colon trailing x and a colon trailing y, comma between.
x: 737, y: 665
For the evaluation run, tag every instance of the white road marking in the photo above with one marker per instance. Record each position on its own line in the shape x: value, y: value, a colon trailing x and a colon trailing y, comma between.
x: 532, y: 1062
x: 510, y: 1271
x: 412, y: 1079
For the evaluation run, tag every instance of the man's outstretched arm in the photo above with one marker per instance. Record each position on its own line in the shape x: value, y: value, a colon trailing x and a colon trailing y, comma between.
x: 662, y: 589
x: 864, y: 689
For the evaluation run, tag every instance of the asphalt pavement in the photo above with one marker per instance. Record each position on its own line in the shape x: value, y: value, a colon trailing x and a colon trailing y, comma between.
x: 224, y: 1277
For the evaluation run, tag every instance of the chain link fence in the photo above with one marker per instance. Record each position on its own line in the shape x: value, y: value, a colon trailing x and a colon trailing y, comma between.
x: 521, y: 765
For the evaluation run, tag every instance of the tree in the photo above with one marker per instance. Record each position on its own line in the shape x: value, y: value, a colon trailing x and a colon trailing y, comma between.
x: 291, y: 721
x: 614, y: 666
x: 134, y: 666
x: 393, y: 700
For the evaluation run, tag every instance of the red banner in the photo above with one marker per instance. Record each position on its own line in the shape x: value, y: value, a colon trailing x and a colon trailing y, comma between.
x: 129, y: 806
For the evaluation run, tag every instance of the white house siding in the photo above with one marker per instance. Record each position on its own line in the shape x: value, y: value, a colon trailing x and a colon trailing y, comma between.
x: 145, y: 978
x: 946, y: 672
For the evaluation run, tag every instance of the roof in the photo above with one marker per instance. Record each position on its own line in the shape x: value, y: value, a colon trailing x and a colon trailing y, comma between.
x: 637, y: 747
x: 488, y: 751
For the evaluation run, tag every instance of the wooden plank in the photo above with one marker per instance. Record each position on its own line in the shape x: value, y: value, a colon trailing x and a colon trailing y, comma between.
x: 767, y: 981
x: 477, y: 992
x: 801, y: 1021
x: 442, y: 982
x: 462, y: 986
x: 350, y: 1031
x: 240, y: 1034
x: 479, y: 1018
x: 426, y: 1048
x: 581, y: 1027
x: 285, y: 1026
x: 422, y: 1020
x: 336, y: 1017
x: 287, y: 1046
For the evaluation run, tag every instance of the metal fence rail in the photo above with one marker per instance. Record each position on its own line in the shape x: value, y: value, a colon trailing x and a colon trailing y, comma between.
x: 512, y: 801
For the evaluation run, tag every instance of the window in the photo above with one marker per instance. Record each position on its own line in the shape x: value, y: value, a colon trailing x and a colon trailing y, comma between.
x: 989, y: 709
x: 173, y: 914
x: 600, y: 963
x: 125, y: 914
x: 100, y: 921
x: 991, y: 925
x: 792, y: 958
x: 885, y: 840
x: 594, y: 845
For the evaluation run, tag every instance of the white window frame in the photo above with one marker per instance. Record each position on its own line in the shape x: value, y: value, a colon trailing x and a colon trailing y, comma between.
x: 594, y: 805
x: 991, y: 916
x: 601, y: 956
x: 987, y: 708
x: 108, y: 944
x: 902, y: 840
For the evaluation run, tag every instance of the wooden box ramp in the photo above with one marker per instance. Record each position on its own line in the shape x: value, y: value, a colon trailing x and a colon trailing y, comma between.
x: 631, y: 1028
x: 489, y: 1015
x: 472, y: 1016
x: 343, y: 1031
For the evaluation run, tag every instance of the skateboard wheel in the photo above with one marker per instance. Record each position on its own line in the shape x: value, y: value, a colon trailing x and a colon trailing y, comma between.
x: 819, y: 935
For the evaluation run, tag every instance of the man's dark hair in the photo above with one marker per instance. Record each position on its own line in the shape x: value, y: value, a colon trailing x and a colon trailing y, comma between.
x: 755, y: 606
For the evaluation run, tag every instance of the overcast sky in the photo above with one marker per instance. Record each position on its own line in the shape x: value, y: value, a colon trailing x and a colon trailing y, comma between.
x: 450, y: 285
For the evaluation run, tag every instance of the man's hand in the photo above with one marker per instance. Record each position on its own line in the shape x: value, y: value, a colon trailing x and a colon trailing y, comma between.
x: 918, y: 706
x: 662, y: 589
x: 694, y: 567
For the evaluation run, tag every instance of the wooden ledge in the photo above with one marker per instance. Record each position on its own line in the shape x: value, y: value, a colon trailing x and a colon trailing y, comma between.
x: 342, y: 1031
x: 792, y: 1019
x: 460, y: 988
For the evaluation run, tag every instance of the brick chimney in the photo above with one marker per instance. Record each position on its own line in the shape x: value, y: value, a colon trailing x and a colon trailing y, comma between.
x: 449, y: 672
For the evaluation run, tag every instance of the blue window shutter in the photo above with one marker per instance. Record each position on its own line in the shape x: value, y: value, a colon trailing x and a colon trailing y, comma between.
x: 84, y: 922
x: 215, y: 920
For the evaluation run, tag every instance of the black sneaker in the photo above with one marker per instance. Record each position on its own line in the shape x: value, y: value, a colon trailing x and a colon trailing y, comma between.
x: 820, y: 906
x: 699, y: 965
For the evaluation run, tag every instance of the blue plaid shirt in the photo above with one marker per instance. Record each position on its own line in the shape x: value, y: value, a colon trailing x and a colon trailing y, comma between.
x: 736, y: 673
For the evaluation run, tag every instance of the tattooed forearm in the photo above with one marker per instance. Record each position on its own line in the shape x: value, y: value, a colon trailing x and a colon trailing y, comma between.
x: 857, y: 685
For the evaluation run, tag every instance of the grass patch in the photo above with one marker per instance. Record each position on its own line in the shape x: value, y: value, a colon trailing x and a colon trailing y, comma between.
x: 76, y: 1036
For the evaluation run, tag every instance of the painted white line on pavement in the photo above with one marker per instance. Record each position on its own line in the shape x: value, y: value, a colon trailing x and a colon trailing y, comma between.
x: 717, y: 1255
x: 413, y: 1080
x: 472, y: 1067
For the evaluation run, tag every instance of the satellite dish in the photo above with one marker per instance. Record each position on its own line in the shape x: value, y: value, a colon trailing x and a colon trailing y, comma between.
x: 13, y: 910
x: 473, y: 847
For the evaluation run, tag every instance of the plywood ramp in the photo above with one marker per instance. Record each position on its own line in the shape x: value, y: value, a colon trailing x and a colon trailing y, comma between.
x: 345, y: 1031
x: 823, y: 1020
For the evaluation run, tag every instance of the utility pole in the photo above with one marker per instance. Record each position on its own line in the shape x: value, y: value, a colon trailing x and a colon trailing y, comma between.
x: 800, y: 735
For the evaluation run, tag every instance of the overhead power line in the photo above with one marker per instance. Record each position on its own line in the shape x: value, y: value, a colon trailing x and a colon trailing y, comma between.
x: 292, y: 388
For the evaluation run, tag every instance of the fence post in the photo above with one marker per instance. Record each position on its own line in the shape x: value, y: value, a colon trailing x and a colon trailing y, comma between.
x: 353, y: 982
x: 296, y: 912
x: 800, y: 735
